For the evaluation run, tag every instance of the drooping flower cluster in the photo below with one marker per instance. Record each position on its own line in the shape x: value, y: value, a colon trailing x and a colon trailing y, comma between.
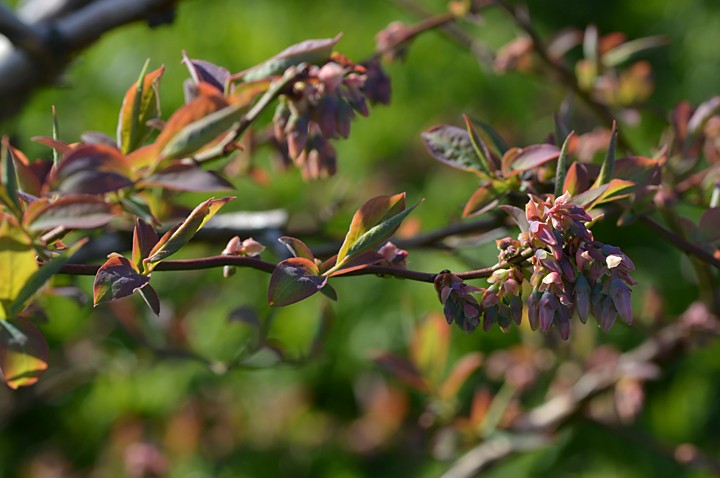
x: 320, y: 107
x: 571, y: 274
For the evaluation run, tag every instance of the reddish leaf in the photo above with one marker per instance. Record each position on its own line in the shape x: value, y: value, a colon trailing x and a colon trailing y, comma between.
x: 640, y: 170
x: 612, y: 191
x: 144, y: 239
x: 59, y: 146
x: 294, y: 280
x: 403, y: 369
x: 359, y: 262
x: 23, y: 353
x: 484, y: 199
x: 515, y: 160
x: 709, y: 229
x: 92, y: 169
x: 73, y: 212
x: 176, y: 238
x: 297, y: 247
x: 576, y: 179
x: 116, y: 279
x: 31, y: 176
x: 186, y: 177
x: 139, y: 105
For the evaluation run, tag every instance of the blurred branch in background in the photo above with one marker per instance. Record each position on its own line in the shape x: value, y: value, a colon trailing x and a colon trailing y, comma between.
x: 45, y: 35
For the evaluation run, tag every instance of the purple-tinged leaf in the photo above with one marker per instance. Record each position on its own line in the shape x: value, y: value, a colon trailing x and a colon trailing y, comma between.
x: 309, y: 51
x: 54, y: 144
x: 151, y: 298
x: 297, y: 247
x: 97, y: 137
x: 709, y: 226
x: 452, y: 146
x: 518, y: 216
x: 91, y: 169
x: 116, y: 279
x: 144, y: 239
x: 576, y: 179
x: 516, y: 160
x: 293, y: 280
x: 77, y: 211
x: 186, y: 177
x: 484, y: 199
x: 23, y: 353
x: 210, y: 73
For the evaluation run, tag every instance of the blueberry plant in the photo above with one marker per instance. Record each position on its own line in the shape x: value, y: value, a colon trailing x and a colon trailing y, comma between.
x: 553, y: 273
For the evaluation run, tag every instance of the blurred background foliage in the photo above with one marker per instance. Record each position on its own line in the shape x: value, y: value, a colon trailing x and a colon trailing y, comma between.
x: 118, y: 396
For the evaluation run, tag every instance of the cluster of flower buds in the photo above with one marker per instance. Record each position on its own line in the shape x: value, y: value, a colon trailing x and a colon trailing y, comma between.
x: 235, y: 247
x: 393, y: 256
x: 320, y: 107
x: 572, y: 274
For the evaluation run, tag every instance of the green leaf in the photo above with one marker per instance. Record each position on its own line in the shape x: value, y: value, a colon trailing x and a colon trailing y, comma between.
x: 452, y: 146
x: 607, y: 170
x: 144, y: 239
x: 77, y: 211
x: 561, y: 170
x: 293, y: 280
x: 17, y: 264
x: 612, y: 191
x: 23, y: 353
x: 201, y: 132
x: 116, y: 279
x: 309, y: 51
x: 176, y: 238
x: 380, y: 233
x: 139, y: 106
x: 481, y: 149
x: 9, y: 178
x: 40, y: 277
x: 494, y: 136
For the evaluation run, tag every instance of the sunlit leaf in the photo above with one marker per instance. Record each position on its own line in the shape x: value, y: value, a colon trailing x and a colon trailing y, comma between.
x: 484, y: 199
x: 607, y: 170
x: 452, y: 146
x: 518, y: 160
x: 178, y: 237
x: 140, y: 104
x: 615, y: 189
x: 116, y: 279
x: 429, y: 347
x: 561, y: 170
x: 73, y: 212
x: 23, y: 353
x: 297, y: 247
x: 17, y: 263
x: 576, y: 179
x: 8, y: 179
x: 293, y: 280
x: 518, y: 216
x: 625, y: 51
x: 309, y: 51
x: 144, y: 239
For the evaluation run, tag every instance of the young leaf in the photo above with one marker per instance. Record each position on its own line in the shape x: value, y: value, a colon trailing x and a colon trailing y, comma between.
x: 452, y: 146
x: 484, y: 199
x: 481, y: 149
x: 139, y: 106
x: 494, y: 136
x: 561, y: 170
x: 518, y: 216
x: 23, y: 353
x: 144, y: 239
x: 379, y: 234
x: 516, y: 160
x: 9, y: 177
x: 178, y: 237
x: 297, y: 247
x: 607, y: 170
x: 293, y: 280
x: 576, y: 179
x: 709, y: 226
x: 204, y: 71
x: 151, y: 298
x: 77, y: 211
x: 116, y: 279
x: 615, y: 189
x: 17, y: 264
x: 91, y: 169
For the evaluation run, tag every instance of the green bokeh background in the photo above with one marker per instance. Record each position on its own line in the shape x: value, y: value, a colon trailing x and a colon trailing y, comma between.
x: 105, y: 390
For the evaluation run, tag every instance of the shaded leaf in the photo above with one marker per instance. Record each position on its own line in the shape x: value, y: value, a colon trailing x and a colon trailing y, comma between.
x: 116, y: 279
x: 23, y: 353
x: 518, y: 160
x: 494, y: 136
x: 429, y: 347
x: 484, y: 199
x: 144, y: 239
x: 576, y: 179
x: 518, y: 216
x: 8, y: 180
x: 151, y: 298
x: 452, y: 146
x: 293, y: 280
x: 481, y: 149
x: 139, y: 105
x: 459, y: 374
x: 186, y: 177
x: 92, y: 169
x: 176, y: 238
x: 73, y: 212
x: 561, y: 170
x: 204, y: 71
x: 607, y: 170
x: 709, y: 226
